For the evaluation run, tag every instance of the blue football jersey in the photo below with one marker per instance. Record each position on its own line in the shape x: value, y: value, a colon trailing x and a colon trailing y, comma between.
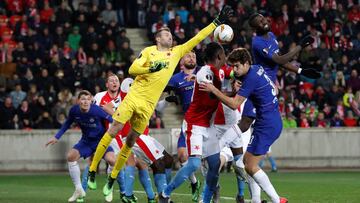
x: 183, y: 88
x: 260, y: 89
x: 91, y: 123
x: 263, y: 50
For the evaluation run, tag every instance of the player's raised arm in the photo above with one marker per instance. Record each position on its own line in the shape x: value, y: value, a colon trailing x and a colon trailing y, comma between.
x: 224, y: 15
x: 307, y: 72
x: 283, y: 59
x: 62, y: 130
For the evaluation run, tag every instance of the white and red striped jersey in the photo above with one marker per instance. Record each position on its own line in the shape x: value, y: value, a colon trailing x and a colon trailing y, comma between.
x: 203, y: 104
x: 103, y: 98
x: 226, y: 116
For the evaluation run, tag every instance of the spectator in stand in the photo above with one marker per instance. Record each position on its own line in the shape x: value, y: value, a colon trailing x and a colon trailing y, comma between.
x: 303, y: 122
x: 63, y: 13
x: 326, y: 82
x: 183, y: 13
x: 109, y: 15
x: 355, y: 104
x: 349, y: 120
x: 354, y: 81
x: 337, y: 121
x: 340, y: 108
x: 169, y: 14
x: 45, y: 121
x: 348, y: 98
x: 17, y: 96
x: 121, y: 38
x: 289, y: 121
x: 321, y: 122
x: 344, y: 67
x: 127, y: 54
x: 74, y: 39
x: 340, y: 80
x: 156, y: 122
x: 176, y: 25
x: 7, y: 112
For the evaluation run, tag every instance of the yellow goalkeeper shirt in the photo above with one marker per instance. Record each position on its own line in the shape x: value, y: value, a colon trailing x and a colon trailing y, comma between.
x: 149, y: 86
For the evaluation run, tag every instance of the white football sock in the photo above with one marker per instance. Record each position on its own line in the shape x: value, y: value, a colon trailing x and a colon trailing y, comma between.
x: 109, y: 169
x: 263, y: 180
x: 240, y: 162
x: 255, y: 190
x: 74, y: 171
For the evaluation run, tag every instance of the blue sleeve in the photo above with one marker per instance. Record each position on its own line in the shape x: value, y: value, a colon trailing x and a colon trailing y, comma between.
x: 248, y: 86
x: 102, y: 114
x: 66, y: 125
x: 262, y: 50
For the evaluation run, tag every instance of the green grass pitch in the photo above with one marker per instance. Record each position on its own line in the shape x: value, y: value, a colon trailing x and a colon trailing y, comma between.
x: 302, y: 187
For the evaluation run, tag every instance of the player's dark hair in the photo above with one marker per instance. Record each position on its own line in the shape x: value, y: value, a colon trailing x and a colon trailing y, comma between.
x: 241, y: 55
x: 157, y: 33
x: 252, y: 19
x: 84, y: 92
x: 211, y: 51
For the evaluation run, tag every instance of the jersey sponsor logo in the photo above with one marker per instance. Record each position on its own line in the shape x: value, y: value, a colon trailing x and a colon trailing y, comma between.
x: 92, y: 120
x: 197, y: 147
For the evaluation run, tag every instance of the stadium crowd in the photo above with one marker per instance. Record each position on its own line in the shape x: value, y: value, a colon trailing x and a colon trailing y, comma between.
x: 61, y: 47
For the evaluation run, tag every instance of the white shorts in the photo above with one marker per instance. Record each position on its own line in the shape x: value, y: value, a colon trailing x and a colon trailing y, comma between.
x: 229, y: 136
x: 227, y: 153
x: 148, y: 149
x: 201, y: 140
x: 246, y: 138
x: 116, y: 145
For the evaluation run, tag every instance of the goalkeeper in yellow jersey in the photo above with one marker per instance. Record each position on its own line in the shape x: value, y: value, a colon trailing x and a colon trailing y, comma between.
x: 153, y: 69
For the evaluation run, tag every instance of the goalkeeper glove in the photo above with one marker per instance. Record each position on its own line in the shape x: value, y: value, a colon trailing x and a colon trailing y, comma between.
x: 310, y: 73
x: 157, y: 67
x: 224, y: 15
x: 306, y: 41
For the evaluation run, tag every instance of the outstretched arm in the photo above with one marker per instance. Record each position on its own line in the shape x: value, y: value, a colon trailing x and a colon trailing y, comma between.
x: 224, y: 15
x: 283, y: 59
x: 307, y: 72
x: 232, y: 102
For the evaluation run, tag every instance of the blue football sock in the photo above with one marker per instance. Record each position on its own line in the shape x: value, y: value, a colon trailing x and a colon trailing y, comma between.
x: 146, y: 183
x: 183, y: 174
x: 130, y: 178
x: 85, y: 178
x: 160, y: 181
x: 121, y: 181
x: 168, y: 175
x: 273, y: 163
x: 212, y: 176
x: 203, y: 191
x: 240, y: 183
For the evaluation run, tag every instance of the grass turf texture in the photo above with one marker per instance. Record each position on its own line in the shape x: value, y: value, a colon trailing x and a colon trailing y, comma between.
x: 332, y: 187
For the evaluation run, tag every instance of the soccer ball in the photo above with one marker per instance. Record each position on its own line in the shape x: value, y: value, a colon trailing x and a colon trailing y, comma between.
x: 223, y: 33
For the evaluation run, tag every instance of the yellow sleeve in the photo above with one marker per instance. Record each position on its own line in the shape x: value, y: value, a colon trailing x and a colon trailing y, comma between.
x: 189, y: 45
x: 138, y: 66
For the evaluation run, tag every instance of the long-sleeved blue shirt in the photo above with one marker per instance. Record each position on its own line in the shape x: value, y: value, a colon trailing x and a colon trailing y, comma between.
x: 91, y: 123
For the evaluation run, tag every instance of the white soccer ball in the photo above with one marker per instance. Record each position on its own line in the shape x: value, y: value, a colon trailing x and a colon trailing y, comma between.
x: 223, y: 33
